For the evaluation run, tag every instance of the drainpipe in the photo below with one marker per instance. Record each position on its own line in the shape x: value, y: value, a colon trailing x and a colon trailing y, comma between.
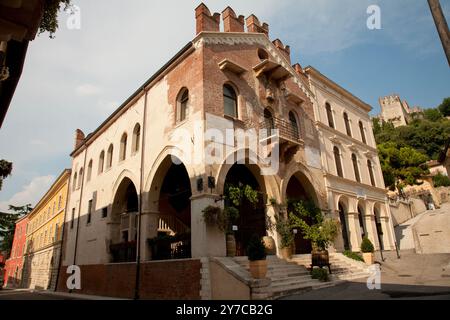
x: 138, y: 242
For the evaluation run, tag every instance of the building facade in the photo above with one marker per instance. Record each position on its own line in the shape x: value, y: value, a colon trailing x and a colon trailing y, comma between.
x: 14, y: 265
x: 44, y: 236
x: 353, y: 176
x: 229, y: 108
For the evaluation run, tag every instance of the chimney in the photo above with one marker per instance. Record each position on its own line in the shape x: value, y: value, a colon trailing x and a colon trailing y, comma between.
x: 253, y: 25
x: 205, y: 21
x: 79, y: 138
x: 230, y: 22
x: 298, y: 68
x: 285, y: 50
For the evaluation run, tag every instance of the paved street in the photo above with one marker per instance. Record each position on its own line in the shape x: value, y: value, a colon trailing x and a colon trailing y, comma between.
x: 6, y: 294
x: 413, y: 276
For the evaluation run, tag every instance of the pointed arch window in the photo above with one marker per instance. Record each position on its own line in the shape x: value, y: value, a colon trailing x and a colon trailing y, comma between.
x: 74, y: 183
x: 101, y: 162
x: 109, y: 157
x: 136, y: 137
x: 294, y: 124
x: 182, y: 105
x: 123, y: 147
x: 80, y: 178
x: 89, y: 171
x: 269, y: 122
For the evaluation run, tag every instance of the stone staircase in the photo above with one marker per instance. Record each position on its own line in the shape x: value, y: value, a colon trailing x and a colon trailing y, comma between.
x: 286, y: 278
x: 342, y: 267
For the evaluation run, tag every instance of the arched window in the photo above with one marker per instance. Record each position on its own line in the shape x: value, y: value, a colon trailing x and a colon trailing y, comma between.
x: 372, y: 178
x: 109, y: 157
x: 355, y: 167
x: 347, y: 124
x: 294, y: 125
x: 101, y: 162
x: 269, y: 122
x: 229, y: 101
x: 337, y: 160
x: 74, y: 183
x: 123, y: 147
x: 182, y: 105
x: 89, y: 171
x: 363, y: 135
x: 136, y: 137
x: 80, y: 178
x: 329, y: 115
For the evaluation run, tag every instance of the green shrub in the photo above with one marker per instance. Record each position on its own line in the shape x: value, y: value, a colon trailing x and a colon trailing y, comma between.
x: 353, y: 255
x: 320, y: 274
x: 367, y: 246
x: 441, y: 180
x: 256, y: 249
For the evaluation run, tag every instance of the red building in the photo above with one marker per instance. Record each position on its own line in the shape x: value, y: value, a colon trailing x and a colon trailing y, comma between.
x: 14, y: 265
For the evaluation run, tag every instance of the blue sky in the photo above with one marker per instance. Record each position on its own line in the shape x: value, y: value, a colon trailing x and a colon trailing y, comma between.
x: 77, y: 79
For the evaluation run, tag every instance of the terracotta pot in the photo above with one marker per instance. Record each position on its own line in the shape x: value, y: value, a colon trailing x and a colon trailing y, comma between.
x: 258, y: 269
x: 320, y: 258
x: 269, y: 243
x: 231, y: 245
x: 369, y: 258
x: 286, y: 253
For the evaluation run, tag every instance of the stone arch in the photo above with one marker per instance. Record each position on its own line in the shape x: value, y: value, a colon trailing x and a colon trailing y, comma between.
x: 304, y: 175
x: 123, y: 222
x: 156, y: 175
x: 267, y: 182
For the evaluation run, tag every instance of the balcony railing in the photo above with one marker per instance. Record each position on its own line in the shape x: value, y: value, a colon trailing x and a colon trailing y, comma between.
x: 286, y: 129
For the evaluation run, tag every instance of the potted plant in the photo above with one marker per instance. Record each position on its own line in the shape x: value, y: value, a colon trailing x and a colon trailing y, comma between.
x: 367, y: 250
x: 320, y: 231
x: 256, y: 252
x: 284, y: 229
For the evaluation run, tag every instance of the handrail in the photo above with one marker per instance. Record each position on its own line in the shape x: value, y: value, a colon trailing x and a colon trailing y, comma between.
x: 285, y: 128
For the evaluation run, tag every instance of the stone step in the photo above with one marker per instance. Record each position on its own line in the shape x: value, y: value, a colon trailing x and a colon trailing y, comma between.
x: 290, y: 280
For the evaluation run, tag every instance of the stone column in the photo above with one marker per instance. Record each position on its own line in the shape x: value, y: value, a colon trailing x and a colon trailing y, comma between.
x: 339, y: 241
x: 149, y: 229
x: 371, y: 229
x: 388, y: 239
x: 206, y: 241
x: 354, y: 232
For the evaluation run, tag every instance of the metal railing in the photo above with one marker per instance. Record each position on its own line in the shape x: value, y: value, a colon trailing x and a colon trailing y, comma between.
x: 286, y: 129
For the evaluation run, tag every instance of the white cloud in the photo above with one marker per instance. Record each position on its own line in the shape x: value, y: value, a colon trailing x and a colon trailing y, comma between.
x: 30, y: 193
x: 87, y: 90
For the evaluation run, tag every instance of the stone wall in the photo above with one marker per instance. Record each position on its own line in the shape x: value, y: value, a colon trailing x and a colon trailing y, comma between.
x: 404, y: 210
x: 443, y: 194
x: 175, y: 279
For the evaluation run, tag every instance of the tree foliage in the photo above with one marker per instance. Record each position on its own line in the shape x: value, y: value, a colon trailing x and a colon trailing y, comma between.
x: 441, y: 180
x: 444, y: 108
x: 5, y: 170
x: 49, y: 22
x: 401, y: 165
x: 427, y: 137
x: 432, y: 114
x: 8, y: 224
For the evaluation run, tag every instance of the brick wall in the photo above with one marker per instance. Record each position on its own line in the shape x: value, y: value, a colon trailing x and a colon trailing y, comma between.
x: 177, y: 279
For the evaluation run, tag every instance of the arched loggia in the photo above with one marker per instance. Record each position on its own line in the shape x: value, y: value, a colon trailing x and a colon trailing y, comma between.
x: 123, y: 224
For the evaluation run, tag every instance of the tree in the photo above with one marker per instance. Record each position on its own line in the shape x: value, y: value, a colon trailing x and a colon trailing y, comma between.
x: 401, y: 165
x: 444, y: 108
x: 49, y: 20
x: 441, y: 180
x: 8, y: 224
x: 432, y: 114
x: 5, y: 170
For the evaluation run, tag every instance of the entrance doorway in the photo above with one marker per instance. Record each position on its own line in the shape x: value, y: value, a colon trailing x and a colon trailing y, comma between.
x: 344, y: 229
x: 252, y: 217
